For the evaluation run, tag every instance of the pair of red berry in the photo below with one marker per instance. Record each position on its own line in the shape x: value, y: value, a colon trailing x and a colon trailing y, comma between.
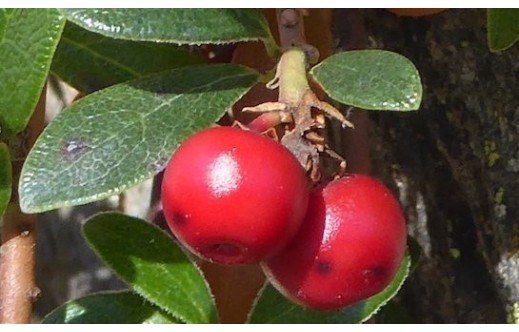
x: 234, y: 197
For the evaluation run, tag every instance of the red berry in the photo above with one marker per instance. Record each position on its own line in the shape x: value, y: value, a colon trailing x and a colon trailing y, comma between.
x: 233, y: 196
x: 349, y: 247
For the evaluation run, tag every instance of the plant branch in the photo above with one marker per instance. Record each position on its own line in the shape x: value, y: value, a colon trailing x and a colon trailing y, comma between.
x: 291, y: 74
x: 296, y: 98
x: 291, y: 27
x: 354, y: 144
x: 18, y: 288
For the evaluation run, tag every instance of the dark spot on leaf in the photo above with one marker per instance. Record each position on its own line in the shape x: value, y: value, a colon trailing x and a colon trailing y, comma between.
x: 375, y: 272
x: 179, y: 218
x: 74, y: 148
x: 323, y: 267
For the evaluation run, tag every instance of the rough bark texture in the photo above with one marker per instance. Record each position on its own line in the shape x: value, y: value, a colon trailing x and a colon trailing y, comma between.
x: 455, y: 164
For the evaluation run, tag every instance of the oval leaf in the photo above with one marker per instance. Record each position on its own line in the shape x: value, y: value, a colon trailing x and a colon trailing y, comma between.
x: 5, y: 178
x: 371, y: 79
x: 109, y: 308
x: 152, y: 264
x: 120, y: 136
x: 502, y: 28
x: 89, y: 61
x: 180, y: 25
x: 272, y: 307
x: 29, y: 39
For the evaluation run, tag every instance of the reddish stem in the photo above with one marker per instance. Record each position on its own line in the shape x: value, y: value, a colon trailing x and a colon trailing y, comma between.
x: 234, y: 287
x: 18, y: 288
x: 265, y: 122
x: 356, y: 143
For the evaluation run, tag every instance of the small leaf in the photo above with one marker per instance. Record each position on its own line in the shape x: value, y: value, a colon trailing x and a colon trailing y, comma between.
x: 29, y: 38
x: 502, y: 28
x: 180, y: 25
x: 89, y: 61
x: 152, y: 264
x: 371, y: 79
x: 109, y: 308
x: 5, y: 178
x: 272, y: 307
x: 120, y: 136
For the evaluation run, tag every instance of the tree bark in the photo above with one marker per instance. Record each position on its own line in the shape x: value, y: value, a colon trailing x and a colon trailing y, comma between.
x: 454, y: 164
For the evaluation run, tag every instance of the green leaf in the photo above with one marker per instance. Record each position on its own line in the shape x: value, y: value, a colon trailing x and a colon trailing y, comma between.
x: 89, y: 61
x: 152, y: 264
x: 5, y: 178
x: 502, y: 28
x: 415, y: 252
x: 371, y: 79
x: 29, y: 38
x: 272, y: 307
x: 109, y: 308
x: 3, y: 22
x: 180, y: 25
x: 120, y: 136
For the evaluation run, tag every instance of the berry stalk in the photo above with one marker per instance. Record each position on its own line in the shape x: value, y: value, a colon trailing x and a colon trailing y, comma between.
x: 291, y: 73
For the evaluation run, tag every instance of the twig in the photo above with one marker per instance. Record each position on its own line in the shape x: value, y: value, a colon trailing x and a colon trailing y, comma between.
x: 296, y: 98
x: 18, y: 289
x: 355, y: 144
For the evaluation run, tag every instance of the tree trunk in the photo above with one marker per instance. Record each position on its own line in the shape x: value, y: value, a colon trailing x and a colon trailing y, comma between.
x: 454, y: 163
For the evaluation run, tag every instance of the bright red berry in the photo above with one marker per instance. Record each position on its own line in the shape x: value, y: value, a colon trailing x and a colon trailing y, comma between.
x: 349, y: 247
x: 232, y: 196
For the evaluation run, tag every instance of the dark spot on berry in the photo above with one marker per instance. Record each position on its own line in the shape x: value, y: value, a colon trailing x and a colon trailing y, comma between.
x: 226, y: 253
x: 323, y: 267
x: 226, y: 249
x: 179, y: 218
x: 375, y: 272
x: 73, y: 148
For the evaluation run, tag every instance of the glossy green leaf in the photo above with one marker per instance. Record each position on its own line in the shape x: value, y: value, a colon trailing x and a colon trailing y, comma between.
x: 5, y: 178
x: 502, y: 28
x: 118, y: 137
x: 29, y: 38
x: 179, y: 25
x: 89, y: 61
x: 371, y: 79
x: 109, y: 308
x: 272, y: 307
x: 152, y: 264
